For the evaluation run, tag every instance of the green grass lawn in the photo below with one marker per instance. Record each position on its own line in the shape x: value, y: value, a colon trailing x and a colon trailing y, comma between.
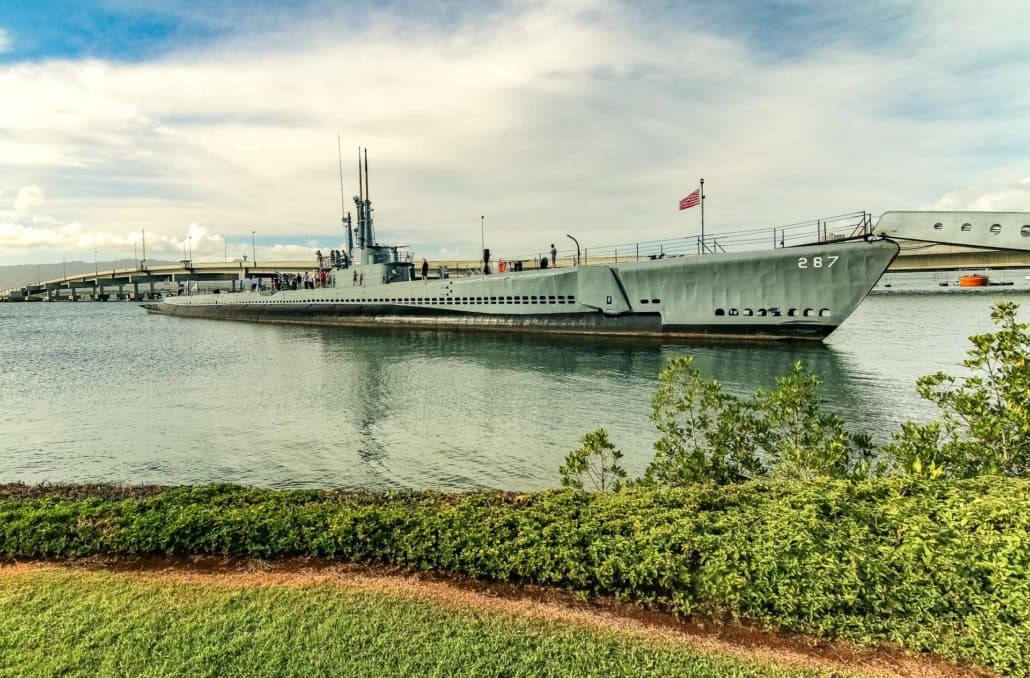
x: 83, y: 623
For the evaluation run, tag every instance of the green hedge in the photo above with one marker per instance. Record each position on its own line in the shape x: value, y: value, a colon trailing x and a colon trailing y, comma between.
x: 941, y: 567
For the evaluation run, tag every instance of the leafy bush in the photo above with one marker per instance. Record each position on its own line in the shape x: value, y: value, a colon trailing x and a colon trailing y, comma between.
x: 940, y: 567
x: 985, y: 418
x: 596, y: 460
x: 710, y: 436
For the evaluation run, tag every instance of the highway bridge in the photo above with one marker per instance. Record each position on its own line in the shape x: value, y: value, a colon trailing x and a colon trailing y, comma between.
x: 150, y: 281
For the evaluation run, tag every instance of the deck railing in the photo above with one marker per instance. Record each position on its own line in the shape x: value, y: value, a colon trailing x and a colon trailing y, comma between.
x: 839, y: 227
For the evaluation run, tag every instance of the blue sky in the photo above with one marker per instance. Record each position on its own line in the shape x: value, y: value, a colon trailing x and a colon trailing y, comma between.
x: 200, y: 123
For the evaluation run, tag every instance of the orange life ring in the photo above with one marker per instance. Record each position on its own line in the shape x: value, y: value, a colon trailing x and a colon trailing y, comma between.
x: 502, y: 266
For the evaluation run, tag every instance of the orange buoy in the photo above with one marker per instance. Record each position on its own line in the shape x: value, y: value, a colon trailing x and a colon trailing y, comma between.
x: 975, y: 280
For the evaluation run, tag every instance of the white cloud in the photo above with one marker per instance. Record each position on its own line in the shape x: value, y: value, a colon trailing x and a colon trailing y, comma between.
x: 1010, y: 197
x: 29, y: 197
x: 548, y: 118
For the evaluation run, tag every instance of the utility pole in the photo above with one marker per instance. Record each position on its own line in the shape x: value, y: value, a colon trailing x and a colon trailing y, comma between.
x: 253, y: 249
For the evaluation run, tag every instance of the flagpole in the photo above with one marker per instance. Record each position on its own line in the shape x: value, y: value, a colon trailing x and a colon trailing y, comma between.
x: 702, y: 214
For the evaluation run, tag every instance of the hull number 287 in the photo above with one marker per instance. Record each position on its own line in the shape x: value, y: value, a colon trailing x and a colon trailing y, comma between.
x: 817, y: 262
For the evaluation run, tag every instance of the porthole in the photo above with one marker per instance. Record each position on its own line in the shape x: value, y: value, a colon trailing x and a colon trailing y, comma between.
x: 762, y: 312
x: 656, y: 301
x: 748, y: 311
x: 809, y: 312
x: 792, y: 312
x: 645, y: 301
x: 719, y: 311
x: 733, y: 312
x: 938, y: 226
x: 967, y: 226
x: 572, y: 299
x: 1025, y: 231
x: 824, y: 313
x: 995, y: 229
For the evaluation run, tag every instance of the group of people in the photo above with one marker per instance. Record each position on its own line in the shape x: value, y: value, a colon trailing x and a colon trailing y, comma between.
x: 297, y: 281
x: 335, y: 259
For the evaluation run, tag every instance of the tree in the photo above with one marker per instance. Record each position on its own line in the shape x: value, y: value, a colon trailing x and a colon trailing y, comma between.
x: 985, y: 422
x: 799, y: 440
x: 707, y: 436
x: 596, y: 460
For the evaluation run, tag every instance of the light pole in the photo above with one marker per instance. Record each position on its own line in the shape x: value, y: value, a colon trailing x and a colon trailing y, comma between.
x: 135, y: 259
x: 482, y: 242
x: 189, y: 239
x: 577, y: 247
x: 96, y: 267
x: 253, y: 249
x: 64, y: 267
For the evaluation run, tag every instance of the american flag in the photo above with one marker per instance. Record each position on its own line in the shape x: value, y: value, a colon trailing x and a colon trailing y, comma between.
x: 691, y: 200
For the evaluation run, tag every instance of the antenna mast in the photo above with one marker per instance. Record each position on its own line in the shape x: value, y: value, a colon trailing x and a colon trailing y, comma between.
x: 344, y: 216
x: 359, y: 203
x: 370, y: 236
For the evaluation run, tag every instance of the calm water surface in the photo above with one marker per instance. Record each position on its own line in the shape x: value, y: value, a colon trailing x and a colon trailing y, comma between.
x: 105, y: 392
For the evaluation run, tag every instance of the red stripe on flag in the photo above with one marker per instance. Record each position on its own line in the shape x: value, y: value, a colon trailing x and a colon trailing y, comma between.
x: 691, y: 200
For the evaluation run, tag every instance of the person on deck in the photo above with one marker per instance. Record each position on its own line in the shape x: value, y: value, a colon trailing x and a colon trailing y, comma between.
x: 425, y: 269
x: 554, y: 256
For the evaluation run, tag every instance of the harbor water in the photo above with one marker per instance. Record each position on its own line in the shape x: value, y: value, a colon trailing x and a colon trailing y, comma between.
x: 103, y: 392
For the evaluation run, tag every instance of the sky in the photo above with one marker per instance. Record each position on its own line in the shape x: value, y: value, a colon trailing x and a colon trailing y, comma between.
x: 212, y: 127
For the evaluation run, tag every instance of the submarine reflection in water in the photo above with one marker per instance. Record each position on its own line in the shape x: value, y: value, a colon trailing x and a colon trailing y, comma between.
x: 473, y: 410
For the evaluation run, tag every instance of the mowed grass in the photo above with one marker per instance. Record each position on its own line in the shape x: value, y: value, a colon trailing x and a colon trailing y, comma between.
x: 89, y: 623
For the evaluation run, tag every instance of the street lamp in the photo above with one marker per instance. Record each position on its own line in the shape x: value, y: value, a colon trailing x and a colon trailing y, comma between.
x: 189, y: 239
x: 253, y: 249
x: 577, y: 247
x: 96, y: 268
x: 482, y: 242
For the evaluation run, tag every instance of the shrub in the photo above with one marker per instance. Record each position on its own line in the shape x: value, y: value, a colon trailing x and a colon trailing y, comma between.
x: 596, y: 460
x: 985, y: 418
x: 710, y: 436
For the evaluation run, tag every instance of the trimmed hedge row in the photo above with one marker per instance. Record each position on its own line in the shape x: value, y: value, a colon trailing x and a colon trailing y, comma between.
x: 941, y: 567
